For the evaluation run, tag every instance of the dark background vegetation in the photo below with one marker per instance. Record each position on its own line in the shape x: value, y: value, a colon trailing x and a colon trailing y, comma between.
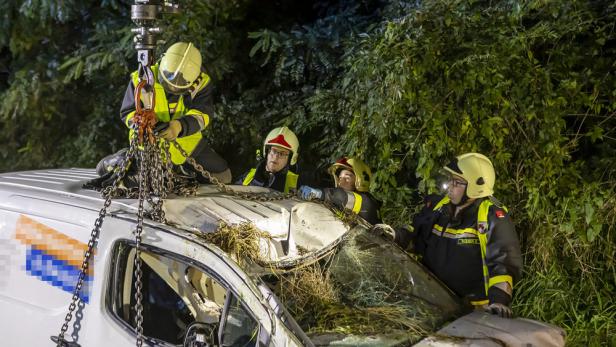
x: 405, y: 85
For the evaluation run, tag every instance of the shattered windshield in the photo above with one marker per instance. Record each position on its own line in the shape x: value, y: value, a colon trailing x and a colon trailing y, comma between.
x: 366, y: 287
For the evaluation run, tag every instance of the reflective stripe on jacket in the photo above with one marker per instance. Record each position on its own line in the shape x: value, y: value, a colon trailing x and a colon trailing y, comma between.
x: 362, y: 204
x: 166, y: 111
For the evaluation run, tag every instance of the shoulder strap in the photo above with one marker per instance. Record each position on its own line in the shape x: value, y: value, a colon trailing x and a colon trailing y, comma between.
x: 249, y: 177
x: 291, y: 181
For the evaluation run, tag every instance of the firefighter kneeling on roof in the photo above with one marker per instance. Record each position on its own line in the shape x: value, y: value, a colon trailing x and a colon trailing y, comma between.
x: 183, y: 107
x: 467, y: 238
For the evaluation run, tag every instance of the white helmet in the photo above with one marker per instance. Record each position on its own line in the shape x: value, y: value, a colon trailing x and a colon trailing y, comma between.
x: 283, y: 137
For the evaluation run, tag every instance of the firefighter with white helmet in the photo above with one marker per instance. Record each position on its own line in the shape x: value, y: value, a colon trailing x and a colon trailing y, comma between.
x: 351, y: 190
x: 466, y: 237
x: 183, y: 107
x: 276, y: 170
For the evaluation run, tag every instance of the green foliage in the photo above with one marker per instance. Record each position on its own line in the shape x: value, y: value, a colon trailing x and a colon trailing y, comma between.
x: 531, y: 85
x: 68, y: 65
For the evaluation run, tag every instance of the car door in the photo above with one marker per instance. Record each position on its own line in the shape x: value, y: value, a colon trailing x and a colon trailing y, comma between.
x: 41, y: 251
x: 183, y: 283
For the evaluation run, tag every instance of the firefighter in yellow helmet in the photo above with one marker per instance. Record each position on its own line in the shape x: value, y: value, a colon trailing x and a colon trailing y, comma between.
x: 276, y: 170
x: 467, y: 239
x: 183, y: 107
x: 351, y: 189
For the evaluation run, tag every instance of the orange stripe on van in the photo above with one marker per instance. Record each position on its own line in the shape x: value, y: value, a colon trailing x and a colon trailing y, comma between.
x: 51, y: 241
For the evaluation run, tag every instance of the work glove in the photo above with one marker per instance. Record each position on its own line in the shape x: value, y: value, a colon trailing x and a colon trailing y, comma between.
x: 111, y: 162
x: 309, y: 193
x: 129, y: 180
x: 500, y: 310
x: 168, y: 131
x: 385, y: 230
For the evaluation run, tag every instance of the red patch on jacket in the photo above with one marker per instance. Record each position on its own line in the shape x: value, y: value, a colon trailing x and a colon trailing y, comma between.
x: 500, y: 213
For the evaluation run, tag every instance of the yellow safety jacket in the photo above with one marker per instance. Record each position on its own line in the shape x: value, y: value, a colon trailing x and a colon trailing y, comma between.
x: 166, y: 112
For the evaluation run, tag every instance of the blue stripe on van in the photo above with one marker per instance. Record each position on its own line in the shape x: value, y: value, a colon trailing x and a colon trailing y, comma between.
x: 56, y: 272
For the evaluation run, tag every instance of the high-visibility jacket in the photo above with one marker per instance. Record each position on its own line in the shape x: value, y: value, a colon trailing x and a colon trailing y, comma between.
x: 192, y: 109
x: 284, y: 180
x: 362, y: 204
x: 474, y: 253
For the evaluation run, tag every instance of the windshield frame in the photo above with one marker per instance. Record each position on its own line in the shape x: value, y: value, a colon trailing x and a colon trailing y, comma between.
x: 328, y: 253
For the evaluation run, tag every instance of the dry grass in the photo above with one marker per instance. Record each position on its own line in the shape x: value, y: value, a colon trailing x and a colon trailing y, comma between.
x: 241, y: 241
x: 319, y: 306
x: 314, y: 299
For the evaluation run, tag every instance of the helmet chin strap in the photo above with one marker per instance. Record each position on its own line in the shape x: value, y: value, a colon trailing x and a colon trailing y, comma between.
x: 463, y: 201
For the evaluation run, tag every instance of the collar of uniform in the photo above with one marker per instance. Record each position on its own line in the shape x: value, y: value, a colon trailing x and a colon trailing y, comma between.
x: 264, y: 175
x: 467, y: 216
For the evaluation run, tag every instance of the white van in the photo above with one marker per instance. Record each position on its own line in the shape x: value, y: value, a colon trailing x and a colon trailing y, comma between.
x: 190, y: 285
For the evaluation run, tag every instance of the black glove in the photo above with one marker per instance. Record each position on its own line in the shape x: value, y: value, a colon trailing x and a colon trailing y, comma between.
x: 111, y: 162
x: 499, y: 302
x: 500, y: 310
x: 101, y: 182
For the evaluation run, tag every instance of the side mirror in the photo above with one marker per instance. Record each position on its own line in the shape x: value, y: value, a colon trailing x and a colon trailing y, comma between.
x: 201, y: 335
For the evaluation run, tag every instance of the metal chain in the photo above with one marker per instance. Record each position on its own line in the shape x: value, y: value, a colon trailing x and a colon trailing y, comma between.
x: 226, y: 189
x: 157, y: 175
x: 345, y: 215
x: 143, y: 190
x: 150, y: 183
x: 169, y: 165
x: 108, y: 192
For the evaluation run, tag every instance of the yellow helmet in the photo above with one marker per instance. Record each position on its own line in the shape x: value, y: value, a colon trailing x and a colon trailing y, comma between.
x: 362, y: 172
x: 179, y: 67
x: 478, y: 172
x: 283, y: 137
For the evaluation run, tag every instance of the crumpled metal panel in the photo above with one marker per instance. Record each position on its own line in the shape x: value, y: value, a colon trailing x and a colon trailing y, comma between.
x: 484, y: 329
x: 291, y: 223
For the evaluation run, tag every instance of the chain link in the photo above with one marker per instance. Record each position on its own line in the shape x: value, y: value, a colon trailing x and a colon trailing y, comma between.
x: 143, y: 190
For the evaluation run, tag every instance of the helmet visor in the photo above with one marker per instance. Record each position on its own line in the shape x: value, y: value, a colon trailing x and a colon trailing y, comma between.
x: 442, y: 180
x: 174, y: 82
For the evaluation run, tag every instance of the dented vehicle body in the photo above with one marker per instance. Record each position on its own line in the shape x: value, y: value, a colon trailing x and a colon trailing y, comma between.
x: 46, y: 219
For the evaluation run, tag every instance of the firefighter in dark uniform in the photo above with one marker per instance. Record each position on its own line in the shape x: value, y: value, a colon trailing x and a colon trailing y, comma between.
x: 276, y: 170
x: 352, y: 185
x: 467, y: 238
